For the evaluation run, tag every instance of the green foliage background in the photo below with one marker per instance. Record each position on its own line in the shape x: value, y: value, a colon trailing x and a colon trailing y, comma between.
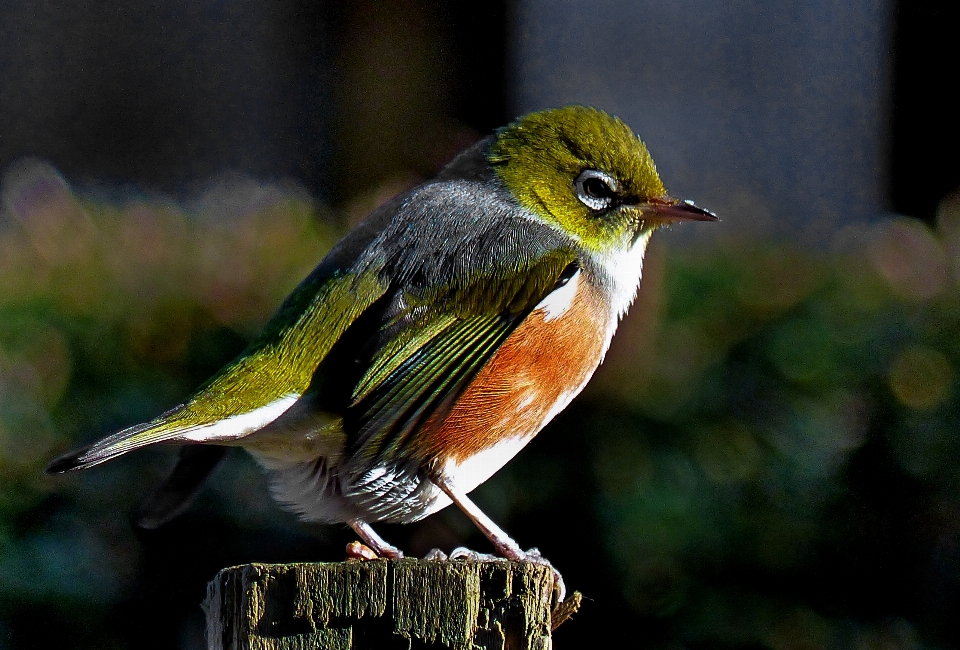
x: 767, y: 459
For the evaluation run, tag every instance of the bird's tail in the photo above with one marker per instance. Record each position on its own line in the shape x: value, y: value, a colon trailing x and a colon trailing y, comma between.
x: 177, y: 492
x: 181, y: 487
x: 131, y: 438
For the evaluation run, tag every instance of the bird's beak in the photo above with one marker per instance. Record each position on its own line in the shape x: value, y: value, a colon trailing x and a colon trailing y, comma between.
x: 666, y: 210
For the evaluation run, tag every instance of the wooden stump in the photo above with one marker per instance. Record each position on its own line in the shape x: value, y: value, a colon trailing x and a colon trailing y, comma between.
x: 381, y: 605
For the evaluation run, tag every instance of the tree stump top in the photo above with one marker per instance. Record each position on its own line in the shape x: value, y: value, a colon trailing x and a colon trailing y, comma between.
x: 382, y: 604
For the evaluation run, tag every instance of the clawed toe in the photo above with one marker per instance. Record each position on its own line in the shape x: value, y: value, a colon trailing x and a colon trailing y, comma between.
x: 435, y: 554
x: 532, y: 555
x: 358, y: 551
x: 559, y: 588
x: 374, y: 543
x: 463, y: 553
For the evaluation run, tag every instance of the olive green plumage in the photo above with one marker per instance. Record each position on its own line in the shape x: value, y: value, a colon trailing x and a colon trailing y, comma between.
x: 536, y: 158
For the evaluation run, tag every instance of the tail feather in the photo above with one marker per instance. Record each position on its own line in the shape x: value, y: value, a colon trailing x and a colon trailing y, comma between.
x: 180, y: 424
x: 131, y: 438
x: 182, y: 486
x: 69, y: 461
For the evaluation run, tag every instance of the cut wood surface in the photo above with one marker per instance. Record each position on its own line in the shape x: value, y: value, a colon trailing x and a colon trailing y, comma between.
x: 384, y: 604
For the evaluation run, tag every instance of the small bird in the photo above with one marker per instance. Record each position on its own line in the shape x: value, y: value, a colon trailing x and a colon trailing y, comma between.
x: 436, y: 339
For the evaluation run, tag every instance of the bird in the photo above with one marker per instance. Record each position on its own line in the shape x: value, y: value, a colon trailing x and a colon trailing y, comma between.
x: 436, y: 339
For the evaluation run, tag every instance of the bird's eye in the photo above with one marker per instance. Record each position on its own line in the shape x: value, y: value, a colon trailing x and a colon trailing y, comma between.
x: 597, y: 190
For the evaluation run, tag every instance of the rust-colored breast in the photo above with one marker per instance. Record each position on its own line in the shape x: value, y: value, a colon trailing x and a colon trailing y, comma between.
x: 541, y: 366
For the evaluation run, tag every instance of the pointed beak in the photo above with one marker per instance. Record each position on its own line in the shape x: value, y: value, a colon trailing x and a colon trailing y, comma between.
x: 666, y: 210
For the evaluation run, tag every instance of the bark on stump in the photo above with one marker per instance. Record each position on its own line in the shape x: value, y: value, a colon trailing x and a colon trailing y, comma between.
x: 382, y: 605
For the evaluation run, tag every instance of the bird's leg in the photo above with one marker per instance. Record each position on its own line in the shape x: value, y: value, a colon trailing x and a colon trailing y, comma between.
x: 379, y: 545
x: 505, y: 546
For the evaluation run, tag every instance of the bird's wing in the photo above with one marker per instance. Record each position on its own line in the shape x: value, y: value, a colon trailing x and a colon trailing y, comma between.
x: 396, y: 319
x: 462, y: 269
x: 420, y: 359
x: 261, y: 383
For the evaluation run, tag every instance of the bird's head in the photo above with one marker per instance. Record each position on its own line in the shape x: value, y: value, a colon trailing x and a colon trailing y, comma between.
x: 586, y: 172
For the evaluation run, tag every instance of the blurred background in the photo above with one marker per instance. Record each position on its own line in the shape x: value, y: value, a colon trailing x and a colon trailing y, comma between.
x: 769, y: 456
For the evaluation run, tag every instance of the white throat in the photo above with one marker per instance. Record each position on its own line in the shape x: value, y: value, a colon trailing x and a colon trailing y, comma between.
x: 623, y: 269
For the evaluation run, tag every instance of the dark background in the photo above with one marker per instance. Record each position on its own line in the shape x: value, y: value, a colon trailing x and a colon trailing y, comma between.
x: 769, y: 457
x: 166, y: 95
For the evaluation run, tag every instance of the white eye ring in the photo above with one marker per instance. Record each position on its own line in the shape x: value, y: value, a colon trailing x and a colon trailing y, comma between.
x: 596, y: 189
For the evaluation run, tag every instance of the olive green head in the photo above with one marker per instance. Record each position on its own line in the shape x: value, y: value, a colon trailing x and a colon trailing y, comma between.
x: 585, y: 171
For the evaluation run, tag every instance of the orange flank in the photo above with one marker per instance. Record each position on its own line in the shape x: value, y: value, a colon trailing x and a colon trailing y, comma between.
x: 541, y: 366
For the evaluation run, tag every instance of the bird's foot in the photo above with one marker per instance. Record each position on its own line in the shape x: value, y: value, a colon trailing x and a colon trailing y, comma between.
x: 533, y: 555
x: 462, y: 553
x: 359, y: 551
x: 436, y: 555
x: 559, y: 588
x: 375, y: 548
x: 505, y: 546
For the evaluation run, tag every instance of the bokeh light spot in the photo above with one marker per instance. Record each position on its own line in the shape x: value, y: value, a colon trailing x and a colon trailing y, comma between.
x: 910, y: 258
x: 727, y: 453
x: 921, y: 377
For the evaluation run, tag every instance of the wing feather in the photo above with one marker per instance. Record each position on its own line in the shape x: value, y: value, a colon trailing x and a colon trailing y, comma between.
x: 410, y: 383
x: 258, y: 386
